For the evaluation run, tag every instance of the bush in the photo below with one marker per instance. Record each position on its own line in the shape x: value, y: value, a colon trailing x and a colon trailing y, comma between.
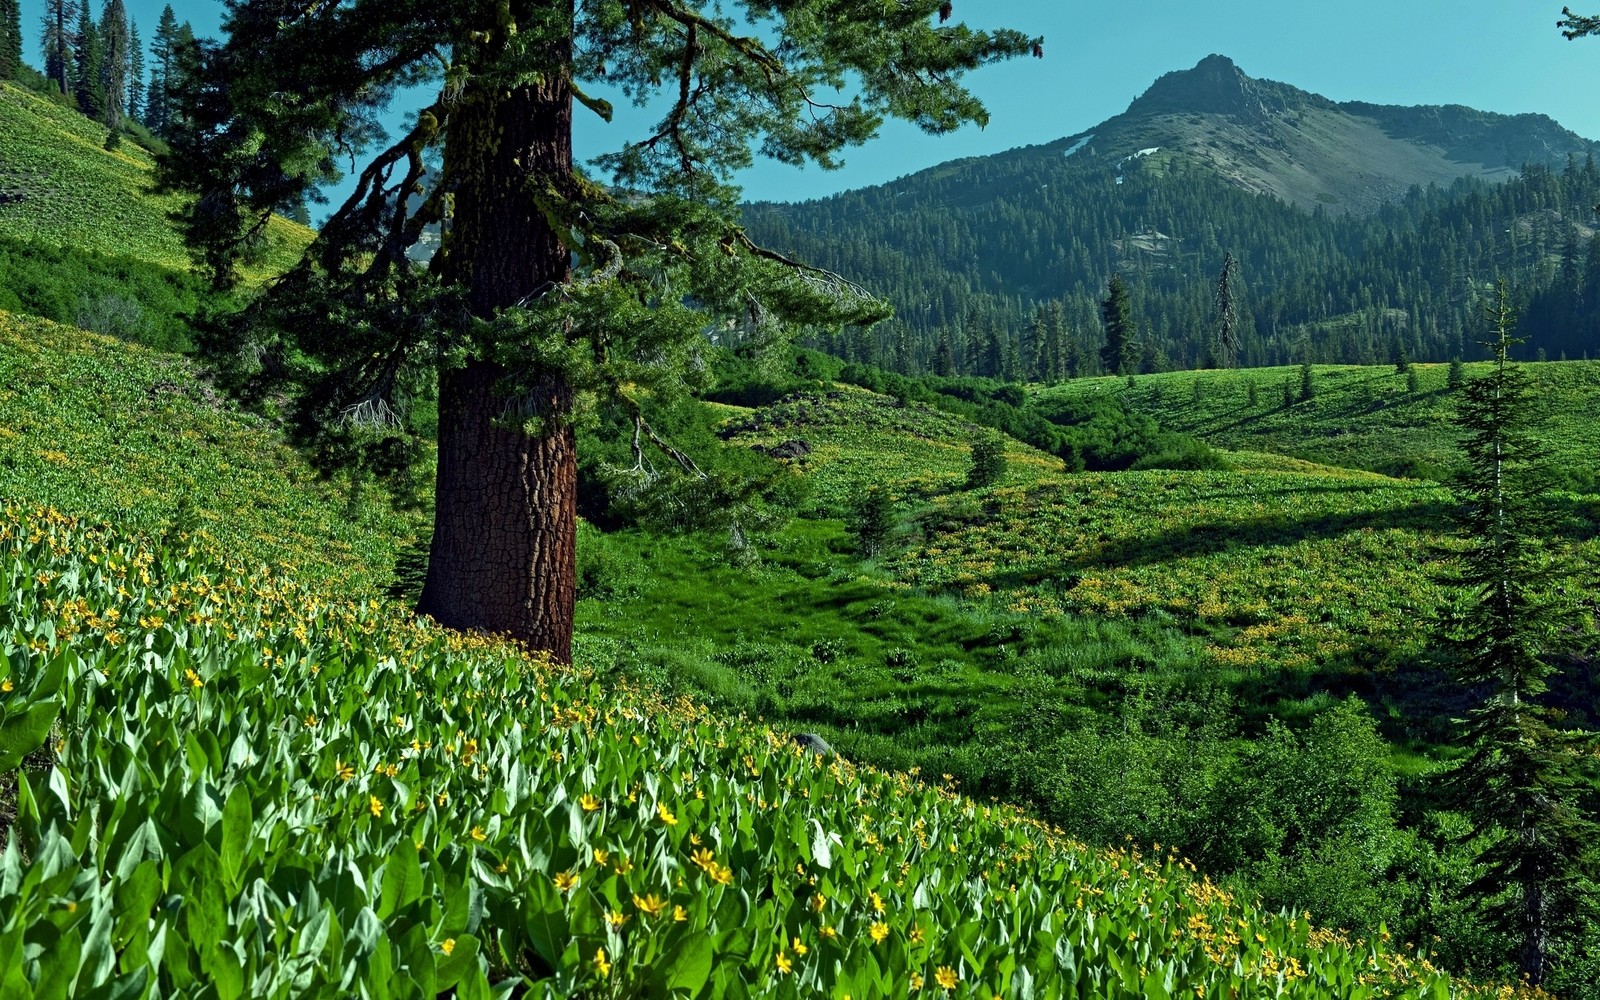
x: 871, y: 521
x: 988, y: 462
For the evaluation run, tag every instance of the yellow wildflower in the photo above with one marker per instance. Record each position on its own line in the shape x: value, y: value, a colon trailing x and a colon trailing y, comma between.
x: 374, y: 806
x: 565, y: 881
x: 784, y: 963
x: 448, y: 946
x: 947, y: 977
x: 666, y: 814
x: 651, y: 905
x: 600, y: 964
x: 879, y: 930
x: 588, y: 802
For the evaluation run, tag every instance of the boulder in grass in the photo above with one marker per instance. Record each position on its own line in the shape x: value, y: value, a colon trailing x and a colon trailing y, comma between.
x: 813, y: 743
x: 796, y: 448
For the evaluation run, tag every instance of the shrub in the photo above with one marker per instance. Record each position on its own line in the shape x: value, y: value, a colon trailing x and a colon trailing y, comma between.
x: 872, y: 520
x: 988, y: 462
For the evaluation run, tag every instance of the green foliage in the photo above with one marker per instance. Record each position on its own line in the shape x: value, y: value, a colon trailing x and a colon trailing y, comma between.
x: 122, y: 297
x: 988, y: 456
x: 467, y: 818
x: 1308, y: 387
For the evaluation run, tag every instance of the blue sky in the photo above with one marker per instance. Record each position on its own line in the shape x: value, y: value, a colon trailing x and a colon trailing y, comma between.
x: 1495, y: 55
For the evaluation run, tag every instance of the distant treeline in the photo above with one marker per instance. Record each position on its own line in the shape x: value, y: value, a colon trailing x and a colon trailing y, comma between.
x: 997, y: 266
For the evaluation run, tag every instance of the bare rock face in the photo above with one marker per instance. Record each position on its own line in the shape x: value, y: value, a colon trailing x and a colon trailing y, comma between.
x: 797, y: 448
x: 1217, y: 86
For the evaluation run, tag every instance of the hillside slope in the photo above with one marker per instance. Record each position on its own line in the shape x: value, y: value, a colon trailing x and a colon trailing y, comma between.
x: 113, y: 432
x: 290, y: 794
x: 60, y: 186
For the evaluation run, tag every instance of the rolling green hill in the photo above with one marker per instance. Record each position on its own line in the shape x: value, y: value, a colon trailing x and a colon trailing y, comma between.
x: 1360, y: 417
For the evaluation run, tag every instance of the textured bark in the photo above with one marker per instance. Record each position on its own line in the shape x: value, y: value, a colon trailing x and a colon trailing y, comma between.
x: 505, y: 528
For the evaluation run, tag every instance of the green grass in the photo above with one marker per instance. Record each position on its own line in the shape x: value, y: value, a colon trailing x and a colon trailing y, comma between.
x: 1360, y: 417
x: 117, y: 433
x: 65, y: 189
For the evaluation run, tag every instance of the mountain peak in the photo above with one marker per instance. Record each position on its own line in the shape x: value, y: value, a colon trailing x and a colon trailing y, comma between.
x: 1216, y: 85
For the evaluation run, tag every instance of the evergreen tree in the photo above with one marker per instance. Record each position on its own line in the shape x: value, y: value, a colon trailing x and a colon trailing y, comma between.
x: 135, y: 84
x: 944, y: 357
x: 1119, y: 356
x: 10, y: 39
x: 550, y: 285
x: 114, y: 62
x: 872, y: 520
x: 988, y: 462
x: 1228, y: 312
x: 1308, y: 387
x: 88, y: 86
x: 57, y: 41
x: 1456, y: 376
x: 163, y: 50
x: 1522, y: 777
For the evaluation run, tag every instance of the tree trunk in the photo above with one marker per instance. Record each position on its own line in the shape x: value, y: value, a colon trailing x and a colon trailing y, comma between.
x: 505, y: 528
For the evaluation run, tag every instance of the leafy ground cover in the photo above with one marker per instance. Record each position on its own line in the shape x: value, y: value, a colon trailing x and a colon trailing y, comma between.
x: 1359, y: 417
x: 256, y: 787
x: 118, y: 433
x: 62, y: 187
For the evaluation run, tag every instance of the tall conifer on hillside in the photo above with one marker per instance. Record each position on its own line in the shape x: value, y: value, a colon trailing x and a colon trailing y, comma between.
x: 135, y: 72
x: 1522, y: 777
x: 1120, y: 355
x: 58, y: 43
x: 10, y: 39
x: 548, y: 286
x: 1227, y: 308
x: 88, y: 84
x: 163, y: 46
x: 114, y: 59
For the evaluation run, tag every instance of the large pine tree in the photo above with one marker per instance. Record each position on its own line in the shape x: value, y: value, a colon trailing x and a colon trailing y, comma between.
x: 1522, y: 777
x: 549, y: 285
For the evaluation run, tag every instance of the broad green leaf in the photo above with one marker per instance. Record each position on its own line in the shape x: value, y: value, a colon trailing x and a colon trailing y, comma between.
x: 26, y: 732
x: 237, y: 828
x: 463, y: 957
x: 402, y: 879
x: 686, y: 967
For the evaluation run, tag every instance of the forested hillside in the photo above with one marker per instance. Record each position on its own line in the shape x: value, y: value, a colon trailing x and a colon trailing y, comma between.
x: 1000, y: 262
